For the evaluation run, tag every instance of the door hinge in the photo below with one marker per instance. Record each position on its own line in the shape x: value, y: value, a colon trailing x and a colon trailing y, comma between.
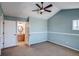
x: 3, y: 23
x: 3, y: 32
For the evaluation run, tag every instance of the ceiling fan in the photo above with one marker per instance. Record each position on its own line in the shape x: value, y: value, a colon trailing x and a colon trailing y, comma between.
x: 41, y: 8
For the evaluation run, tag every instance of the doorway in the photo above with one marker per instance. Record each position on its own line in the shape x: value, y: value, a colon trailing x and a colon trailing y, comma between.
x: 22, y: 33
x: 15, y: 33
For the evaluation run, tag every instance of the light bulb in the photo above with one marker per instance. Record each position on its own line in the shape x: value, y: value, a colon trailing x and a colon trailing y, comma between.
x: 42, y: 10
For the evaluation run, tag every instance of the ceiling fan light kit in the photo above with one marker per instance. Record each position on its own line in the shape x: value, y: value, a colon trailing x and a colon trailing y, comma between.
x: 41, y: 9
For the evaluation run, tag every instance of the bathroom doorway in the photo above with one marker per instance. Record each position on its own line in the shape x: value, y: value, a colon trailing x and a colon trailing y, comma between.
x: 22, y: 33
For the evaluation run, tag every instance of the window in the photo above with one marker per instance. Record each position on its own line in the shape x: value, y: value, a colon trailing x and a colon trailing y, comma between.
x: 75, y: 25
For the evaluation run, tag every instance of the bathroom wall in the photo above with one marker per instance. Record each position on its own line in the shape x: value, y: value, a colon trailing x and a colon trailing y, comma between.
x: 38, y: 30
x: 23, y: 24
x: 60, y: 29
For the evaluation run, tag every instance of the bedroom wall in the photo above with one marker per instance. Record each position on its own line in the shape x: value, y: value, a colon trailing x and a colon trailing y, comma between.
x: 38, y: 30
x: 60, y: 29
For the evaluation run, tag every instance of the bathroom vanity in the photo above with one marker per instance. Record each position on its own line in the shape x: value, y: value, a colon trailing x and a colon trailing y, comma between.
x: 21, y: 37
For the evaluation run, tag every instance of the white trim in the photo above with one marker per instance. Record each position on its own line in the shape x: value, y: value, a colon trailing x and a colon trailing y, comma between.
x: 64, y: 46
x: 37, y: 32
x: 54, y: 33
x: 64, y: 33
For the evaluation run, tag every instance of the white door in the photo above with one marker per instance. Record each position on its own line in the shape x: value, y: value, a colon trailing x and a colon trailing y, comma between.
x: 9, y: 33
x: 1, y: 32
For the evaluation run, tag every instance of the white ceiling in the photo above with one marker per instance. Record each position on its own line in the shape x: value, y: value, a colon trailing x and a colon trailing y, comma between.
x: 24, y: 9
x: 67, y: 5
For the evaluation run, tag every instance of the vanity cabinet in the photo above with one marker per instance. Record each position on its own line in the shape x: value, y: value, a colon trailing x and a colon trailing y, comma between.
x: 21, y: 37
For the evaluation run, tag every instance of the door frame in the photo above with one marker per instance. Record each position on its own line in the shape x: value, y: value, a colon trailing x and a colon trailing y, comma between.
x: 27, y: 43
x: 16, y: 32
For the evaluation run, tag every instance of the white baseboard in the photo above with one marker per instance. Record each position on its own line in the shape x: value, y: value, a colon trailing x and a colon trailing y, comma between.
x: 64, y: 46
x: 38, y: 42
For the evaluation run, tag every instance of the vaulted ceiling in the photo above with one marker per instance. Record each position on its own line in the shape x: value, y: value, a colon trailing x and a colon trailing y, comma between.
x: 24, y: 9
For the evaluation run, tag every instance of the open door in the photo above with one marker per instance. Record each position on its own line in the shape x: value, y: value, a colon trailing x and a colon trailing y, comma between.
x: 9, y: 33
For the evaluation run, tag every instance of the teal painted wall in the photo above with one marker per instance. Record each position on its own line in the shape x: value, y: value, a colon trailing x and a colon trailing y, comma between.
x: 62, y: 23
x: 38, y: 30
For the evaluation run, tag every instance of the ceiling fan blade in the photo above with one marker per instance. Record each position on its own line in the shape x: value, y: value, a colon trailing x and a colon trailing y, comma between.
x: 48, y: 6
x: 36, y: 10
x: 38, y: 6
x: 48, y: 10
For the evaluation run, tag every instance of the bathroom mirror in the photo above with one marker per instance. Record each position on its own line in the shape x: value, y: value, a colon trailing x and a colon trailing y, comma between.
x: 20, y: 28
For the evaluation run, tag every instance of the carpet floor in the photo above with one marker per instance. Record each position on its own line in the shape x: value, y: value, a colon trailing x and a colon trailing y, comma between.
x: 41, y: 49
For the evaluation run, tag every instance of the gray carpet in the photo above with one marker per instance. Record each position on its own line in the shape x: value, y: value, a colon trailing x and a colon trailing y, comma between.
x: 41, y: 49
